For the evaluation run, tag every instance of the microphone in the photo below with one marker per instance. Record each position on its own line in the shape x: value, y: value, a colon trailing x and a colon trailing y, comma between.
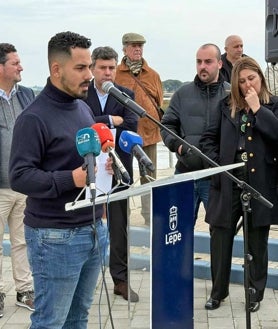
x: 88, y: 146
x: 123, y: 98
x: 107, y: 146
x: 130, y: 142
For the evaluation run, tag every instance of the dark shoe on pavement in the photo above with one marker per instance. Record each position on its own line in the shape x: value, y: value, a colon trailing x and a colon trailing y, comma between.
x: 254, y: 306
x: 25, y: 299
x: 122, y: 289
x: 212, y: 304
x: 2, y: 297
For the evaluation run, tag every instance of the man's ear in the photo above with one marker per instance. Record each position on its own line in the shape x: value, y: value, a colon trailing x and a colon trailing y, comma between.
x: 220, y: 63
x: 55, y: 69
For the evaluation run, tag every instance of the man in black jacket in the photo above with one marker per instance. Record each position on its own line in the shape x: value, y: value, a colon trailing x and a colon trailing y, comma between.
x: 13, y: 99
x: 233, y: 51
x: 191, y: 109
x: 110, y: 112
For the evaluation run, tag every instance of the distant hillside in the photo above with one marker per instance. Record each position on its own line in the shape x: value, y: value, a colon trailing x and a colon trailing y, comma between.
x: 171, y: 86
x: 37, y: 89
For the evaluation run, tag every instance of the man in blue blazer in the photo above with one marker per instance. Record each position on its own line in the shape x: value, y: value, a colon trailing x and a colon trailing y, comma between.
x: 109, y: 111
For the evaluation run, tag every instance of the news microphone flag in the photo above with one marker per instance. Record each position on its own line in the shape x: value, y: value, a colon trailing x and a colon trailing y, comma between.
x: 107, y: 145
x: 87, y: 141
x: 130, y: 142
x: 88, y: 146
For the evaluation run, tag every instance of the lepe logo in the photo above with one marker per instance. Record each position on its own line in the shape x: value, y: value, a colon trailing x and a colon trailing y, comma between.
x: 174, y: 236
x: 173, y: 218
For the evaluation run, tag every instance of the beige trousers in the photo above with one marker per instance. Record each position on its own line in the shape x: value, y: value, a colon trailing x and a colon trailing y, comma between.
x: 12, y: 205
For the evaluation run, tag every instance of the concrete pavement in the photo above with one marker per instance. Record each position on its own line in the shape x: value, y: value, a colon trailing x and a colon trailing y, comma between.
x: 231, y: 314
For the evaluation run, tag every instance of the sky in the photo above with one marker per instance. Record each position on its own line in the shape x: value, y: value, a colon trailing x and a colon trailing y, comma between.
x: 173, y: 29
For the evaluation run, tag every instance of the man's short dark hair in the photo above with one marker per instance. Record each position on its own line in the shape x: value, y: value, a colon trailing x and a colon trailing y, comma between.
x: 105, y: 53
x: 218, y: 51
x: 64, y: 42
x: 6, y: 48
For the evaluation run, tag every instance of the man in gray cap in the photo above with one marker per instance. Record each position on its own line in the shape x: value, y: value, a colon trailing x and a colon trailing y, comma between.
x: 134, y: 73
x: 133, y: 38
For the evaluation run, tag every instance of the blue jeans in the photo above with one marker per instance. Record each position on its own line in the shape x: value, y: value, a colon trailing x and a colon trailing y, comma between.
x: 201, y: 194
x: 65, y: 265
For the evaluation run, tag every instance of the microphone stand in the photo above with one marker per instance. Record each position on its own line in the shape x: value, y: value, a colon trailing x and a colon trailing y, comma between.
x: 143, y: 173
x: 248, y: 192
x: 117, y: 173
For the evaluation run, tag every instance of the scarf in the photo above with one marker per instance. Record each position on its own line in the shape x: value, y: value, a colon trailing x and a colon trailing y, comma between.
x: 135, y: 67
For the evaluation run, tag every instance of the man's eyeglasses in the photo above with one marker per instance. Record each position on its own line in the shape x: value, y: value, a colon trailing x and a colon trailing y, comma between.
x: 244, y: 118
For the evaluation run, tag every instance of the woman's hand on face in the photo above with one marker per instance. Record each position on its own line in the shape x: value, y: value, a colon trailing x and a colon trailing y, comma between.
x: 252, y: 100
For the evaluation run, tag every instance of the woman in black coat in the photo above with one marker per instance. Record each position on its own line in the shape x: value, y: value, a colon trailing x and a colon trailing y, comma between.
x: 246, y: 129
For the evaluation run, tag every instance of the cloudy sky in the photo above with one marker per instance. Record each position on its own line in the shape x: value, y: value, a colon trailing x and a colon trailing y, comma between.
x: 174, y: 29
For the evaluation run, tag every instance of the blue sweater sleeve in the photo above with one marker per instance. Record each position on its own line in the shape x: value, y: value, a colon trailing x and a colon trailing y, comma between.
x: 28, y: 164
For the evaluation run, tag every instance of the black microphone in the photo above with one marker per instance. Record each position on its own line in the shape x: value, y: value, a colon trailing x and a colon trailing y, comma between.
x: 123, y: 98
x: 88, y: 146
x: 107, y: 145
x: 131, y: 143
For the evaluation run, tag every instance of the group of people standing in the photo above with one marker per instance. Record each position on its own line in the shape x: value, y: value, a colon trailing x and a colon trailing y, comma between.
x: 227, y: 111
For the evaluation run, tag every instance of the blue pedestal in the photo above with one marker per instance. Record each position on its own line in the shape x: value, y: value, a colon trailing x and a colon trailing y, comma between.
x: 172, y: 257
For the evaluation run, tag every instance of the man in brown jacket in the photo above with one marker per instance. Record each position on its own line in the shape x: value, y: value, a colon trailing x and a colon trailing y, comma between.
x: 134, y: 73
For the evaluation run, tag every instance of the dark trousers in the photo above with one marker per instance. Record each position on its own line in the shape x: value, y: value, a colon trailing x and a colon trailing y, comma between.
x: 117, y: 217
x: 221, y: 245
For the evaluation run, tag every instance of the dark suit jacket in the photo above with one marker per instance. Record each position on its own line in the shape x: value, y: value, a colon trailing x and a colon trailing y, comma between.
x: 25, y: 96
x: 113, y: 107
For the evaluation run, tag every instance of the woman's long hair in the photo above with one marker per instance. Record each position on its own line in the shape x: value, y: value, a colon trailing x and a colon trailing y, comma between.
x: 237, y: 100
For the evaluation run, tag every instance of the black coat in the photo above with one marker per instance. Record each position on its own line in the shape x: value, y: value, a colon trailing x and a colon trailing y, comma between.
x: 113, y: 107
x: 220, y: 141
x: 191, y: 110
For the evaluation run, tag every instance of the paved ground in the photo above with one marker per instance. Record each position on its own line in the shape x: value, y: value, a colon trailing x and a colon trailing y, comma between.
x: 231, y: 314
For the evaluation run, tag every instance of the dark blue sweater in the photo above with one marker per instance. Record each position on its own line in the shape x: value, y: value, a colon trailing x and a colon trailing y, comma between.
x: 43, y: 156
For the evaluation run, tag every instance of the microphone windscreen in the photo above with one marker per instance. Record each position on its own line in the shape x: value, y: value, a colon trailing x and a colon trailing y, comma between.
x: 106, y: 86
x: 105, y: 136
x: 128, y: 139
x: 87, y: 141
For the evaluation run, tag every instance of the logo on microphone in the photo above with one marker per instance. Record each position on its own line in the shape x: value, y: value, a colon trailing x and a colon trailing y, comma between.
x: 174, y: 236
x: 84, y: 138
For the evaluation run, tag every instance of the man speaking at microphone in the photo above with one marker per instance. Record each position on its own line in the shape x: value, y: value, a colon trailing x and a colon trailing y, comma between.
x: 109, y: 111
x: 64, y: 248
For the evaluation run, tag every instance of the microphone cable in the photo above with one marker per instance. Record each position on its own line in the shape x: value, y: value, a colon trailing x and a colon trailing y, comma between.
x: 103, y: 258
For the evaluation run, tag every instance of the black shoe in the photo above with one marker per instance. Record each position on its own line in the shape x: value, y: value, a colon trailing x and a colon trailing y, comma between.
x: 25, y: 299
x: 122, y: 289
x: 254, y: 306
x: 212, y: 304
x: 2, y: 297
